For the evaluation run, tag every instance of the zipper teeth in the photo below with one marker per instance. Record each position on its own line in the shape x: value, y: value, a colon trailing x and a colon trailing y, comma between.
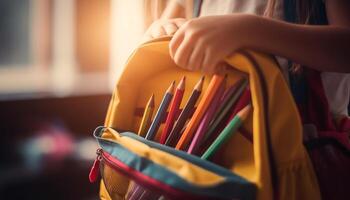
x: 141, y: 181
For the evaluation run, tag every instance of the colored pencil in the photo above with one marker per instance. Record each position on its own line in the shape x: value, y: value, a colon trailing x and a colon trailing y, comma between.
x: 175, y: 133
x: 174, y: 108
x: 235, y: 88
x: 203, y: 126
x: 229, y: 130
x: 242, y: 102
x: 231, y: 97
x: 185, y: 138
x: 137, y: 191
x: 152, y: 131
x: 147, y: 117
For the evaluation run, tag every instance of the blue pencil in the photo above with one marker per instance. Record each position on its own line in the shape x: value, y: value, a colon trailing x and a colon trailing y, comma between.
x: 152, y: 131
x: 137, y: 192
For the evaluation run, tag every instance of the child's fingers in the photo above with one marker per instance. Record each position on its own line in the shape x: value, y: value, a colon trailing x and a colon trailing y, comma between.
x: 175, y: 42
x: 170, y: 28
x: 209, y: 62
x: 196, y: 58
x: 180, y: 22
x: 157, y: 32
x: 200, y: 63
x: 183, y: 53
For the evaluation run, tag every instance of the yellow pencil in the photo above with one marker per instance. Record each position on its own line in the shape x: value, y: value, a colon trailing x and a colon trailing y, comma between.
x: 147, y: 117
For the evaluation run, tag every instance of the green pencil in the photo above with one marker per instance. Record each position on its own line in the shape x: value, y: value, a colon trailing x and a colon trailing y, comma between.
x: 233, y: 94
x: 229, y: 130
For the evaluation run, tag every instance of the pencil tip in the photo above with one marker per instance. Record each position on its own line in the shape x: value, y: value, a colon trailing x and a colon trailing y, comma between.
x: 181, y: 85
x: 243, y: 114
x: 151, y: 101
x: 199, y: 84
x: 171, y: 88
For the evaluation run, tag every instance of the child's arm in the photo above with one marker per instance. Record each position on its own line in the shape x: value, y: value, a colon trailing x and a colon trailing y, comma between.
x: 202, y: 43
x: 172, y: 18
x: 174, y: 10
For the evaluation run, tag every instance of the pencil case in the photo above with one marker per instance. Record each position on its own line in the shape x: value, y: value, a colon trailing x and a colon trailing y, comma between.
x: 271, y: 163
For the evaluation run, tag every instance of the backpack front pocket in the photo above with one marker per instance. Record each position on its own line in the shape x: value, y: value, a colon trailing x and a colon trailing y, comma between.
x: 135, y: 168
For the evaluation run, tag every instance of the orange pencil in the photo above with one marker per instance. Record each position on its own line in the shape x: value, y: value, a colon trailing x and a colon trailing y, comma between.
x: 208, y: 116
x: 174, y: 107
x: 208, y: 96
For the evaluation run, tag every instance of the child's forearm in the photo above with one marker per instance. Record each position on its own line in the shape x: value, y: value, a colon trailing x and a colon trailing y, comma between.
x: 173, y: 10
x: 326, y: 48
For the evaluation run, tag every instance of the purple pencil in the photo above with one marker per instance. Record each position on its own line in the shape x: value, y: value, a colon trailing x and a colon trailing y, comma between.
x: 203, y: 126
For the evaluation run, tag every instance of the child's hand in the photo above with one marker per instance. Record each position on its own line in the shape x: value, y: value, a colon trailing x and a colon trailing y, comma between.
x: 163, y: 27
x: 203, y: 43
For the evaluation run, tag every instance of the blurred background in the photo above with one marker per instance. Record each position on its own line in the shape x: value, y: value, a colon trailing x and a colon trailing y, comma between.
x: 59, y: 61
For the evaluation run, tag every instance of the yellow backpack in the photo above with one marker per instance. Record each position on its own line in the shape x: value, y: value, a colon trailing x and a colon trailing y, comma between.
x: 274, y: 165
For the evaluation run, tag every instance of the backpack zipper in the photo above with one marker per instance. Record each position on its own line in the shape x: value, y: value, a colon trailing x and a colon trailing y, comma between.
x: 141, y: 179
x: 94, y: 172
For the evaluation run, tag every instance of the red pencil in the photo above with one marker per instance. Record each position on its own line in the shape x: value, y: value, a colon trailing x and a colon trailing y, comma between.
x: 175, y: 134
x: 174, y: 108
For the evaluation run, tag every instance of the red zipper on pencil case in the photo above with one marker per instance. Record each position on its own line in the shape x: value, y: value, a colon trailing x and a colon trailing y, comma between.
x: 145, y: 181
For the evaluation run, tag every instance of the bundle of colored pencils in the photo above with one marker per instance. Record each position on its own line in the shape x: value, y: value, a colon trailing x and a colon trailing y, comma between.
x: 194, y: 126
x: 216, y: 116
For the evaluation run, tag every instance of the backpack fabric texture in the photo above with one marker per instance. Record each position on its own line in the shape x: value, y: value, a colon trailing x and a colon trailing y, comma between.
x: 268, y: 154
x: 327, y: 142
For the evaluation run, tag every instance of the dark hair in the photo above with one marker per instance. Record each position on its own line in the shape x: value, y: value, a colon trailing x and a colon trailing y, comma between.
x: 300, y: 12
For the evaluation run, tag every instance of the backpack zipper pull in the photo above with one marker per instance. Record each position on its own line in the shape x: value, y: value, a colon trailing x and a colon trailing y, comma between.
x: 93, y: 175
